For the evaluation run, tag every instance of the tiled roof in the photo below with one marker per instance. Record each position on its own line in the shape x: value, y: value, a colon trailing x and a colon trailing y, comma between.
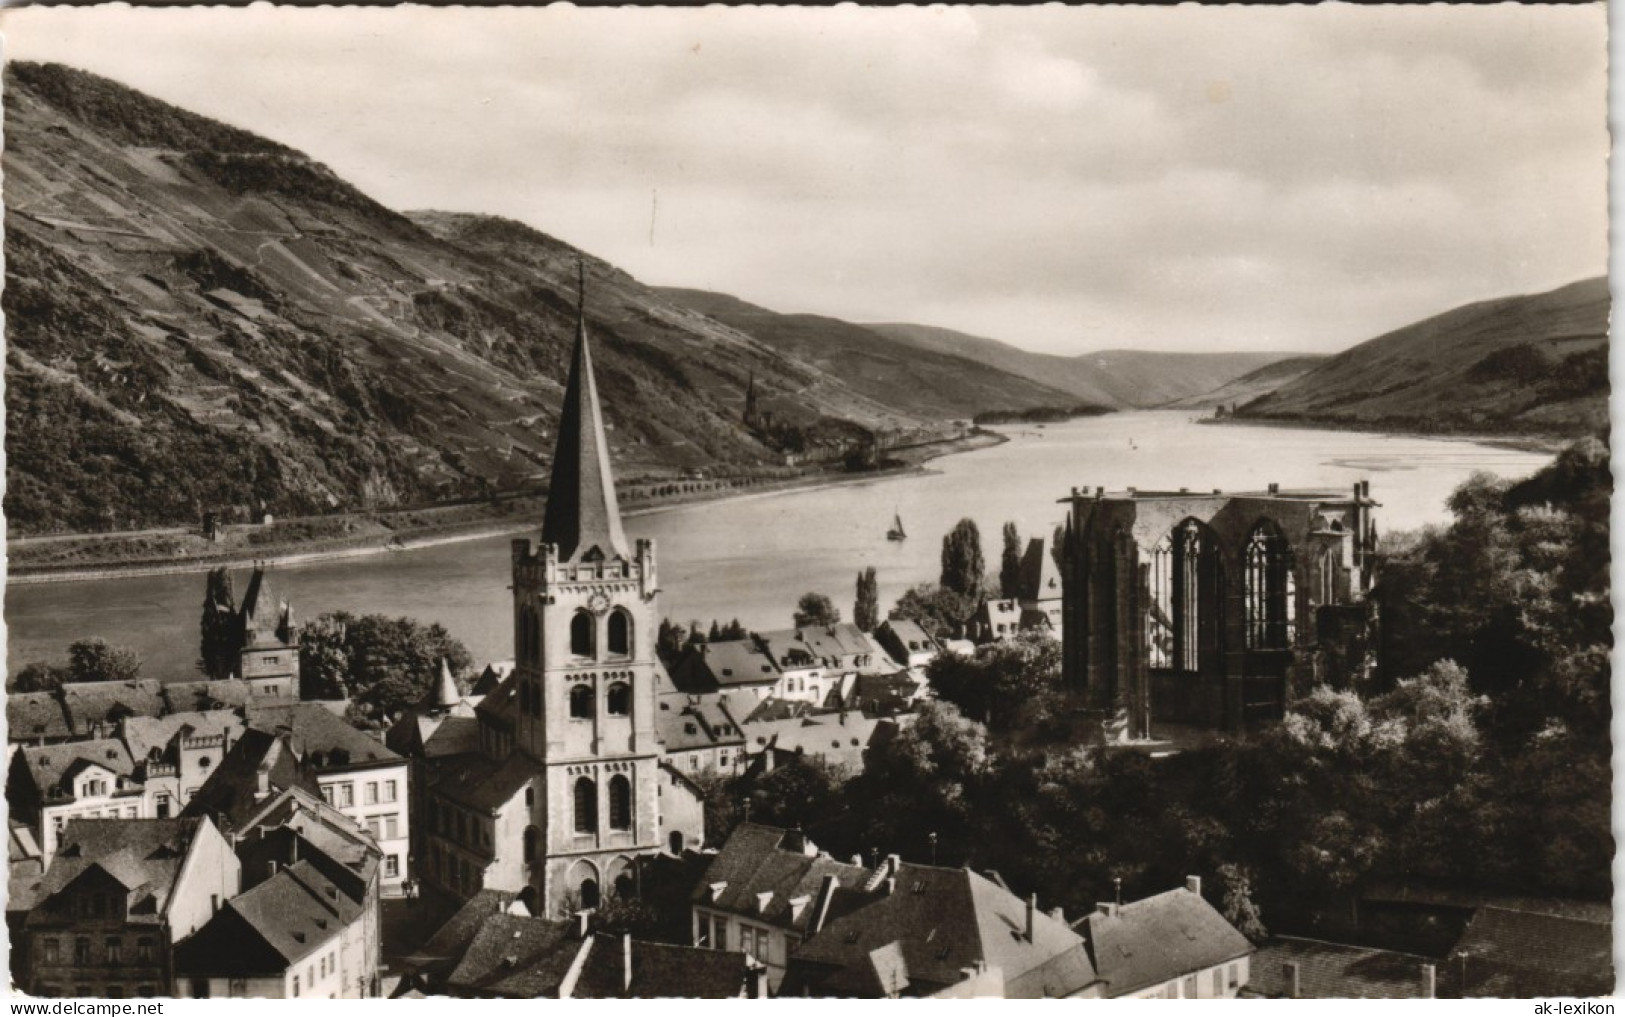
x: 232, y: 794
x: 1467, y: 899
x: 1523, y: 954
x: 498, y: 704
x: 659, y: 971
x: 1338, y: 971
x: 91, y: 703
x: 206, y: 695
x: 48, y: 765
x: 933, y: 926
x: 839, y: 738
x: 1159, y: 939
x: 516, y: 957
x: 765, y: 860
x: 146, y: 735
x: 816, y: 646
x: 145, y: 856
x: 483, y: 783
x: 491, y: 677
x: 321, y: 828
x: 265, y: 930
x: 703, y: 722
x: 444, y: 951
x: 31, y: 716
x: 325, y: 742
x: 730, y: 663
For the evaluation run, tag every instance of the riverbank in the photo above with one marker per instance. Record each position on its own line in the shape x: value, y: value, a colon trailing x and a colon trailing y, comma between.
x: 369, y: 537
x: 1545, y: 444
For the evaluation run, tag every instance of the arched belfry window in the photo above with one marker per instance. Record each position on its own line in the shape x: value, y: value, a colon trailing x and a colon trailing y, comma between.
x: 1271, y: 590
x: 586, y: 796
x: 618, y: 700
x: 620, y: 803
x: 581, y: 634
x: 620, y: 633
x: 581, y: 702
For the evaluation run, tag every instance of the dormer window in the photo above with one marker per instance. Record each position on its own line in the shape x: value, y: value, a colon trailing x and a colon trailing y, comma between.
x: 764, y: 900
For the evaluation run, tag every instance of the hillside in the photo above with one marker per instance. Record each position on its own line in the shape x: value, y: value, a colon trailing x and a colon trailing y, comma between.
x: 201, y: 319
x: 1121, y: 379
x: 1526, y: 364
x: 1252, y: 384
x: 924, y: 382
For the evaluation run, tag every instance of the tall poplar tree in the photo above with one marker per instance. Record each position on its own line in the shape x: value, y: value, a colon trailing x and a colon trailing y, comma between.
x: 962, y: 565
x: 866, y: 609
x: 222, y: 637
x: 1010, y: 563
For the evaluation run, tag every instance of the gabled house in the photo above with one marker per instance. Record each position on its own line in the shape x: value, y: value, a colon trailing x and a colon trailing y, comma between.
x: 929, y: 931
x: 51, y: 785
x: 700, y: 733
x: 1174, y: 945
x: 994, y: 621
x: 766, y: 891
x: 1039, y: 591
x: 37, y: 718
x: 119, y: 894
x: 94, y: 709
x: 175, y: 754
x: 907, y: 643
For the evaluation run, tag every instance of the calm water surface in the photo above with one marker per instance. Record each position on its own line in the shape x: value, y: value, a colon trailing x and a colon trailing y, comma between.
x: 752, y: 558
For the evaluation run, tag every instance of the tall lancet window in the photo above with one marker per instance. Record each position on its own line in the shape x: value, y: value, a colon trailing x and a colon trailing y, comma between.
x: 620, y: 633
x: 581, y: 634
x: 1271, y: 590
x: 586, y: 803
x: 1159, y: 624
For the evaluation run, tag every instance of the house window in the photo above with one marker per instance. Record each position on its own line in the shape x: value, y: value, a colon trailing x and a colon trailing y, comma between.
x: 81, y: 950
x: 619, y: 699
x: 620, y: 633
x: 296, y: 985
x: 530, y: 798
x: 204, y: 762
x: 200, y: 988
x: 114, y: 948
x: 392, y: 866
x: 532, y: 840
x: 143, y: 950
x: 95, y: 789
x: 581, y: 634
x: 389, y: 791
x: 328, y: 794
x: 51, y: 953
x: 392, y: 826
x: 346, y: 796
x: 581, y: 702
x: 620, y: 803
x: 369, y: 794
x: 586, y: 795
x: 161, y: 803
x: 1234, y: 976
x: 1218, y: 982
x: 1190, y: 986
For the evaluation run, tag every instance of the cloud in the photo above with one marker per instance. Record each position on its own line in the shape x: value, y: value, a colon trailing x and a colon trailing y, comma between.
x: 1062, y: 178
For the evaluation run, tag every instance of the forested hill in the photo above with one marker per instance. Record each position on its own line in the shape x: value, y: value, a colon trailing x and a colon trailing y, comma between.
x: 200, y: 318
x: 1525, y: 365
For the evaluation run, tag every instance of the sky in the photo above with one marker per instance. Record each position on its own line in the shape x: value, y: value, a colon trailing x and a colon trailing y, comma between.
x: 1062, y: 179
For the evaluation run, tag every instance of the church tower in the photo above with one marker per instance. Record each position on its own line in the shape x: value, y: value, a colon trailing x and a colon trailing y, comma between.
x: 584, y: 651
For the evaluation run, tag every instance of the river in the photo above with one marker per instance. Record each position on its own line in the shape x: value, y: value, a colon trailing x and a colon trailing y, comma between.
x: 751, y: 557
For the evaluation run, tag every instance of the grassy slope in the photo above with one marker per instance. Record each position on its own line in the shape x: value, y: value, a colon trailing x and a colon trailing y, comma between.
x: 1533, y: 364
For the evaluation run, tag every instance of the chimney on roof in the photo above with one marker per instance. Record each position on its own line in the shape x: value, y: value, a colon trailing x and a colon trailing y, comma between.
x: 1294, y: 988
x: 1117, y: 881
x: 1194, y: 884
x: 1429, y: 981
x: 1275, y: 488
x: 1058, y: 914
x: 1032, y: 914
x: 889, y: 887
x: 626, y: 961
x: 892, y: 863
x: 1107, y: 908
x: 271, y: 865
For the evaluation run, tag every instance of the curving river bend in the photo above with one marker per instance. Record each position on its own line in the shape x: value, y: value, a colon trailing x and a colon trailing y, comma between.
x: 752, y: 557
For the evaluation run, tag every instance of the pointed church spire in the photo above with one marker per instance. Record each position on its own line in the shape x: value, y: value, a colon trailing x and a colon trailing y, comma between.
x: 446, y: 694
x: 582, y: 512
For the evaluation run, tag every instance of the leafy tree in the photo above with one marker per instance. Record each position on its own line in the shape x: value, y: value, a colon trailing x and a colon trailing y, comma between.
x: 670, y: 640
x: 938, y: 610
x: 1009, y: 684
x: 866, y: 608
x: 696, y: 634
x: 389, y: 664
x: 805, y: 793
x: 1237, y: 906
x: 39, y: 676
x: 962, y: 566
x: 1010, y: 563
x: 93, y: 660
x: 814, y: 610
x: 221, y: 643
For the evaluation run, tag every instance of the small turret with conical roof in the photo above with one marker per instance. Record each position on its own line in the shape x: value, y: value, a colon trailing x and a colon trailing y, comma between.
x: 583, y: 518
x: 446, y: 695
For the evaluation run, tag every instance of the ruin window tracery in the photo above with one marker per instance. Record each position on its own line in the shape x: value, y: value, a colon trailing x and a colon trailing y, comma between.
x: 1271, y: 590
x: 1182, y: 575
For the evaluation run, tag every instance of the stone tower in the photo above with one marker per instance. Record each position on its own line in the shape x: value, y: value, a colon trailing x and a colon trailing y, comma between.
x: 269, y: 660
x: 584, y: 652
